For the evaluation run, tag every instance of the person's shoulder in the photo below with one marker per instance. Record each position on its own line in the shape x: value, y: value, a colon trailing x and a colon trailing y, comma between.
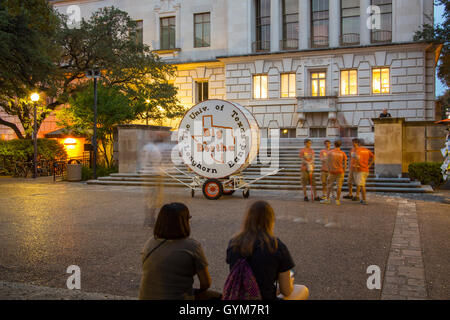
x: 191, y: 243
x: 281, y: 244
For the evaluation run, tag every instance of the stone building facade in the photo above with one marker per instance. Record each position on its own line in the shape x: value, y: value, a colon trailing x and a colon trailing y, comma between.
x: 309, y: 68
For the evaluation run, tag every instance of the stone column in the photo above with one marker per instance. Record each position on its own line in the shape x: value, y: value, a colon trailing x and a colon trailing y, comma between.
x: 304, y: 23
x: 365, y: 31
x: 334, y: 30
x: 388, y: 147
x: 275, y: 19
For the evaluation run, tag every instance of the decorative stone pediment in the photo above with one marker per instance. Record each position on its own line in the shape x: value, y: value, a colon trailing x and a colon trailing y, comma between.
x: 317, y: 104
x: 165, y: 6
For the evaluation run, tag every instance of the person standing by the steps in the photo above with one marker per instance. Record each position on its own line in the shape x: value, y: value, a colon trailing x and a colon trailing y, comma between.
x: 307, y: 157
x: 352, y: 171
x: 337, y: 162
x: 365, y: 160
x: 324, y: 171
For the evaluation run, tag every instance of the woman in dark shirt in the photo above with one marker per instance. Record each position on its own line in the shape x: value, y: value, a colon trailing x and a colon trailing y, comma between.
x: 268, y: 256
x: 171, y: 259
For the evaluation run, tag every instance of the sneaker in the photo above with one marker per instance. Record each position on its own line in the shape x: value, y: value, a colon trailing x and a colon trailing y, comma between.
x: 348, y: 197
x: 338, y: 202
x: 321, y: 221
x: 364, y: 202
x: 306, y: 199
x: 301, y: 220
x: 323, y: 198
x: 326, y: 201
x: 355, y: 199
x: 332, y: 225
x: 317, y: 199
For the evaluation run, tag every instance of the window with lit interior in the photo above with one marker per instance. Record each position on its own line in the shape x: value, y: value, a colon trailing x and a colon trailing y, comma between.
x: 260, y: 87
x: 380, y: 81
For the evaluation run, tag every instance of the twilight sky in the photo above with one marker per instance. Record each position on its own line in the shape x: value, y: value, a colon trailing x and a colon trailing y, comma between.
x: 438, y: 18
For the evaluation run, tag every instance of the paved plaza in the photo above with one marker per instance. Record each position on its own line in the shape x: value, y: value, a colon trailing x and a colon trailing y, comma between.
x: 46, y: 227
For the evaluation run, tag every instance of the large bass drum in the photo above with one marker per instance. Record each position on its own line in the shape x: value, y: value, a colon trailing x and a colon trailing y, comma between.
x: 218, y: 139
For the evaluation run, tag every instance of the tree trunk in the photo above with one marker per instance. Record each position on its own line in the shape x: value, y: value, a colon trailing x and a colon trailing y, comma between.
x: 14, y: 127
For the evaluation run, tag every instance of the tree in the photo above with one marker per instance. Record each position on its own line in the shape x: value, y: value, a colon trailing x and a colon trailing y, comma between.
x: 113, y: 108
x: 440, y: 34
x: 27, y: 52
x: 106, y: 41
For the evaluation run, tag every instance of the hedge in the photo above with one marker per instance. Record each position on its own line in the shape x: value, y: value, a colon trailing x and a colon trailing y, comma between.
x: 23, y: 150
x: 426, y: 173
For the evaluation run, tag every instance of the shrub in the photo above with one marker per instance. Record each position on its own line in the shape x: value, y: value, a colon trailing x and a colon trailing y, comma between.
x: 23, y: 150
x: 426, y: 173
x: 102, y: 171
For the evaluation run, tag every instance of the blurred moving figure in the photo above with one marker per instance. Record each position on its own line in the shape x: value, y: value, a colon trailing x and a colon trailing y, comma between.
x: 153, y: 162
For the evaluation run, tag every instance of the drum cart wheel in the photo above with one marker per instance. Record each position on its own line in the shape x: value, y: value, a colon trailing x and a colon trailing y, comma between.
x: 246, y: 193
x: 212, y: 189
x: 192, y: 193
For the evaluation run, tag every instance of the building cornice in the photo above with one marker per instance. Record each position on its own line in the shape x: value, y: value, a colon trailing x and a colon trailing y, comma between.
x: 324, y: 51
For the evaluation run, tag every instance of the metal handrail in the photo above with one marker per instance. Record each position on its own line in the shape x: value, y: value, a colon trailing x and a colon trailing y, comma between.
x: 350, y: 39
x: 319, y: 41
x: 381, y: 36
x: 261, y: 46
x: 289, y: 44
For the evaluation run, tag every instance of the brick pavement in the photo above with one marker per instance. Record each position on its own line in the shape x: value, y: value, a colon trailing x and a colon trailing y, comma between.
x: 405, y: 272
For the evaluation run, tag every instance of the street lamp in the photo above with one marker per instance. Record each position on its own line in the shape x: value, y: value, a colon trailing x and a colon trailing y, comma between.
x: 35, y: 99
x: 94, y: 74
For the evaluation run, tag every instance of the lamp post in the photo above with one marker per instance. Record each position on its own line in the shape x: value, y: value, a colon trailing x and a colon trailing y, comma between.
x: 35, y: 99
x: 94, y: 74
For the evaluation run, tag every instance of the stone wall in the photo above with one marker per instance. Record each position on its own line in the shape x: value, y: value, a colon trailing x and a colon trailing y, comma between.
x: 131, y: 140
x: 399, y: 143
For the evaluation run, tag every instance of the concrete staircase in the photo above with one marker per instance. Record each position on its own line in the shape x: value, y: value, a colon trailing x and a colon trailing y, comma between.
x: 287, y: 179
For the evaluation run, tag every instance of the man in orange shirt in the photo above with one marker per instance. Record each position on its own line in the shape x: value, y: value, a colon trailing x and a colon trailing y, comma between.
x: 365, y: 160
x: 307, y: 170
x: 352, y: 171
x: 324, y: 172
x: 337, y: 162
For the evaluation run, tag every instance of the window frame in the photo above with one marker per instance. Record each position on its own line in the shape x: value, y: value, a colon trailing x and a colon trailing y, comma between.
x: 139, y: 32
x: 285, y: 40
x: 311, y: 80
x: 260, y: 44
x: 381, y: 80
x: 294, y: 93
x: 319, y: 129
x: 260, y: 85
x: 201, y: 83
x: 372, y: 40
x: 169, y: 47
x: 312, y: 35
x: 203, y: 30
x: 349, y: 90
x: 342, y: 24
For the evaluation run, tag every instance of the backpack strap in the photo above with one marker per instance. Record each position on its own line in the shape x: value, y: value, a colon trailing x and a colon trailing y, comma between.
x: 151, y: 251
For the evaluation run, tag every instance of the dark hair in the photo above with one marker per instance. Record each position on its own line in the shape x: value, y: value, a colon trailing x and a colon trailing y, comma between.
x: 172, y: 222
x: 338, y: 143
x: 306, y: 141
x: 326, y: 141
x: 356, y: 140
x: 257, y: 227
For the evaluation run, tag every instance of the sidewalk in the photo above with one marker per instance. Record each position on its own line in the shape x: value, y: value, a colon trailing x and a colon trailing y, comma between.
x: 22, y: 291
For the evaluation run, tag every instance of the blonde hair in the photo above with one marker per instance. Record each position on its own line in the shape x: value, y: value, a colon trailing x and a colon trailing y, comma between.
x: 257, y: 227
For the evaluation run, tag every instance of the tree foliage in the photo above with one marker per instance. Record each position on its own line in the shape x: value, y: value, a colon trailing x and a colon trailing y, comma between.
x: 106, y: 41
x: 440, y: 34
x: 113, y: 108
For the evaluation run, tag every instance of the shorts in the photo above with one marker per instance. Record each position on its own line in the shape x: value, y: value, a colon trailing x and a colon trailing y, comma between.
x: 351, y: 177
x: 361, y: 178
x: 324, y: 177
x: 305, y: 179
x: 338, y: 178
